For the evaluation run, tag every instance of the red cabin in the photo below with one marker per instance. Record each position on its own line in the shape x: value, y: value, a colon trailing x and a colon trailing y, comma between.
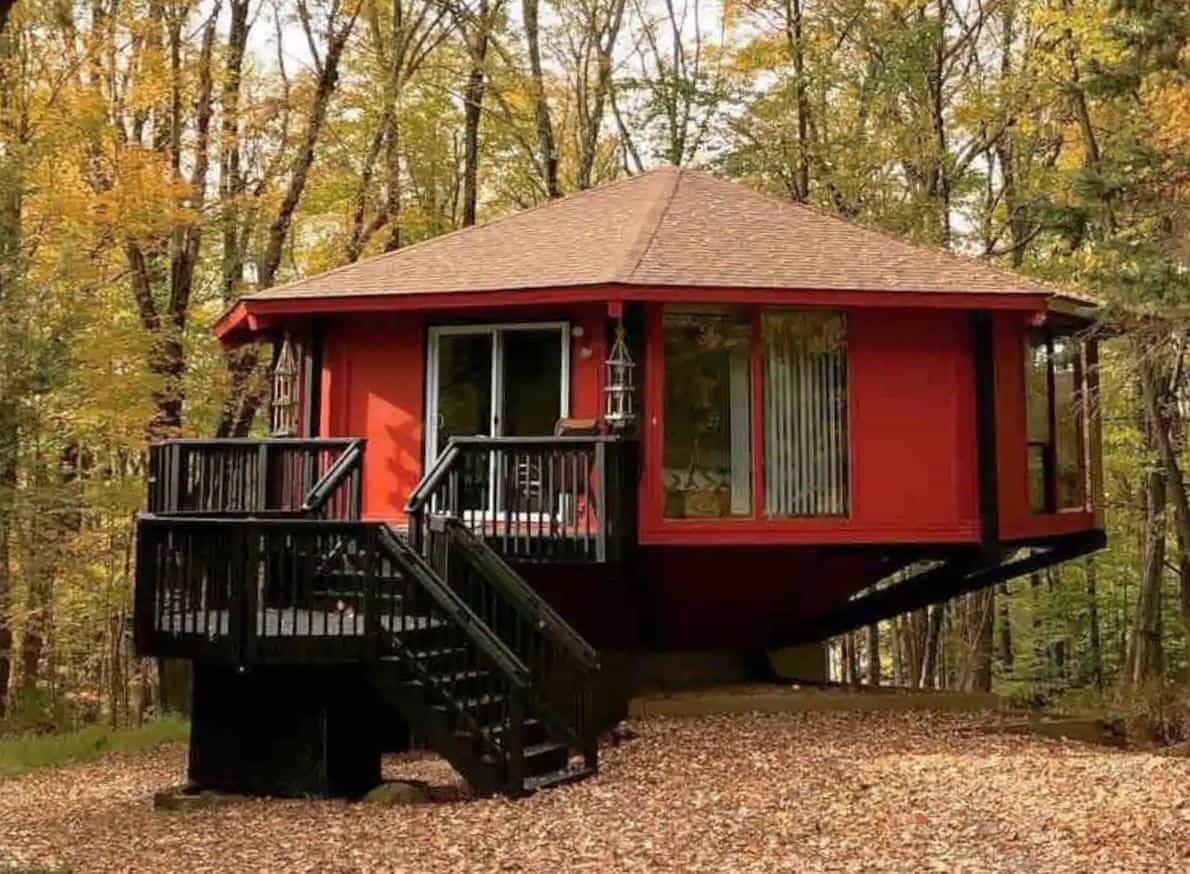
x: 667, y: 414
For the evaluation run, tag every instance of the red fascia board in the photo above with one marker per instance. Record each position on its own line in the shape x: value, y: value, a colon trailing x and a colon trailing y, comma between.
x: 249, y: 316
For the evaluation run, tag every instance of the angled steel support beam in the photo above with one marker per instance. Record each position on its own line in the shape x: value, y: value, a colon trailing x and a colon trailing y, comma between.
x: 957, y: 576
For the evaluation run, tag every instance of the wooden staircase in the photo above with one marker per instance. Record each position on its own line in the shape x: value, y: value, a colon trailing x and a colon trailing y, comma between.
x: 488, y: 696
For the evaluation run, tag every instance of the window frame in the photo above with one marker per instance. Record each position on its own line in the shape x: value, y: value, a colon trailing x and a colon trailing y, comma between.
x: 1051, y: 462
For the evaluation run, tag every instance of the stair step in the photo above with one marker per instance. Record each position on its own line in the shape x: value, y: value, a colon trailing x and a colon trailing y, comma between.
x: 546, y: 757
x: 356, y: 576
x: 535, y: 732
x: 560, y: 777
x: 461, y: 682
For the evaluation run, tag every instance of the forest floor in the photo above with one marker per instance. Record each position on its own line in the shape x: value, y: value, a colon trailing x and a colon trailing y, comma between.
x: 780, y: 792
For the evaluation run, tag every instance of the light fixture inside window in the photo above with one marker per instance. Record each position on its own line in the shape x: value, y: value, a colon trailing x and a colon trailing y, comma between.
x: 618, y: 384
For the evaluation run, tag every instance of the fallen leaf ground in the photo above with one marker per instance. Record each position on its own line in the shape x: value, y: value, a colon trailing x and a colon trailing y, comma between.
x: 817, y: 792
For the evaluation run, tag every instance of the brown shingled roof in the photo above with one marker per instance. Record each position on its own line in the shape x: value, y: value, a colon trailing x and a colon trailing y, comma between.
x: 669, y: 227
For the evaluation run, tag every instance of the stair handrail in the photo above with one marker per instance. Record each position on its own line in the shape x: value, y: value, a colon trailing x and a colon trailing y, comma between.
x: 520, y: 594
x: 341, y: 468
x: 429, y: 483
x: 446, y: 599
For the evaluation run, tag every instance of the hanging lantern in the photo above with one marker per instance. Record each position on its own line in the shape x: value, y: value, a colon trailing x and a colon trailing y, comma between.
x: 285, y: 391
x: 618, y: 384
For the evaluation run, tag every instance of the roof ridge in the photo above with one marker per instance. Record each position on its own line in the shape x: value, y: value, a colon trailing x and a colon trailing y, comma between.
x: 650, y: 221
x: 577, y: 195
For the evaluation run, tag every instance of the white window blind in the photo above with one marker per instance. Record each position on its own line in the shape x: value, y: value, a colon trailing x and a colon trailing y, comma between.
x: 805, y: 406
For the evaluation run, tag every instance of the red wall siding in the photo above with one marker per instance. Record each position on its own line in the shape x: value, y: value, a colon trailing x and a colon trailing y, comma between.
x: 913, y: 452
x: 1016, y: 520
x: 373, y: 386
x: 913, y: 446
x: 913, y: 421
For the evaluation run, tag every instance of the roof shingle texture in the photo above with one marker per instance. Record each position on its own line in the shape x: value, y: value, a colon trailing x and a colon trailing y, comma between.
x: 669, y: 227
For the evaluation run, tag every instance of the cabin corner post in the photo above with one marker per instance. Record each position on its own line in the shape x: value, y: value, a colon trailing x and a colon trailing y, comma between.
x: 311, y: 411
x: 984, y: 353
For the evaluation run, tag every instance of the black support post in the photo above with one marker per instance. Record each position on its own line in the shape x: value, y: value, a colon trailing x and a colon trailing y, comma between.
x: 984, y: 352
x: 312, y: 381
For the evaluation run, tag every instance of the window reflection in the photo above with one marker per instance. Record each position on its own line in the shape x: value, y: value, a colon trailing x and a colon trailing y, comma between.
x: 1054, y: 422
x: 708, y: 383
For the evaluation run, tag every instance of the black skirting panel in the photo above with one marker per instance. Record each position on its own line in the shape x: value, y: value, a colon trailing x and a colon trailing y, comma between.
x: 288, y: 731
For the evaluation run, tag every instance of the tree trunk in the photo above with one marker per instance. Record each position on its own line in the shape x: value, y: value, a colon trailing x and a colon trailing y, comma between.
x: 328, y: 80
x: 473, y: 111
x: 1145, y: 657
x: 1018, y: 225
x: 1041, y: 653
x: 851, y: 653
x: 873, y: 655
x: 548, y: 157
x: 929, y: 662
x: 592, y: 106
x: 11, y: 205
x: 1007, y: 658
x: 1184, y: 598
x: 1093, y: 630
x: 794, y: 36
x: 245, y: 395
x: 9, y: 437
x: 939, y: 171
x: 916, y: 634
x: 392, y: 163
x: 38, y: 571
x: 231, y: 177
x: 979, y: 641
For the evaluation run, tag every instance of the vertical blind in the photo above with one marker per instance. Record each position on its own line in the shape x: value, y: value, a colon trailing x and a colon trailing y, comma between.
x: 805, y: 406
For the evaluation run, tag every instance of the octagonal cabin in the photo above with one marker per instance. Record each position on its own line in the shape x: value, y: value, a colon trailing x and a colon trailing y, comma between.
x: 666, y: 414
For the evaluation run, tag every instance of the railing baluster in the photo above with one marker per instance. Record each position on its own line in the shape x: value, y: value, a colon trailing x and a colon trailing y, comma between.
x: 600, y: 508
x: 262, y: 473
x: 298, y: 557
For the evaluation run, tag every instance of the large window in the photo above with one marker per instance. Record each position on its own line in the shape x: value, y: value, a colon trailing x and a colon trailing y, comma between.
x: 708, y: 404
x: 1054, y: 422
x: 720, y: 364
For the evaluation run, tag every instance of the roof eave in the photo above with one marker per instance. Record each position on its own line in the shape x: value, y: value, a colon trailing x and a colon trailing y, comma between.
x: 1077, y: 311
x: 252, y: 316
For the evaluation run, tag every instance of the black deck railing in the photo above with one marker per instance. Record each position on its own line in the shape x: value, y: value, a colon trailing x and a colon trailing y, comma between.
x: 318, y: 478
x: 253, y: 553
x: 536, y: 499
x: 276, y: 591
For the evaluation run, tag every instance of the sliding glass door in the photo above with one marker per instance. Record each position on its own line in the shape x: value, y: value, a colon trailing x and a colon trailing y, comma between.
x: 507, y: 380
